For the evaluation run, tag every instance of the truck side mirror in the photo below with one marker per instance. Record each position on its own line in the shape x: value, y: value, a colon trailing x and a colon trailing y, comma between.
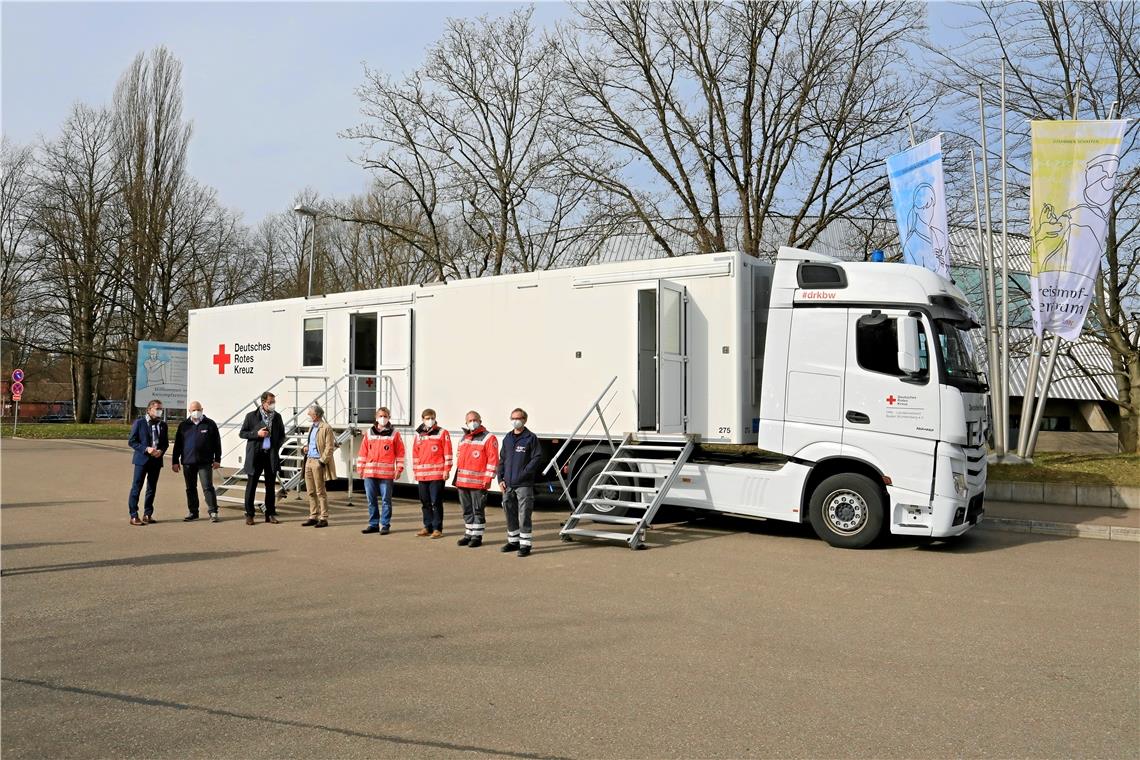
x: 908, y: 345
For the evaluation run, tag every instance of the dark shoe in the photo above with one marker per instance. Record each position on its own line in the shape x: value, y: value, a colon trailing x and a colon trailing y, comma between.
x: 214, y: 517
x: 371, y: 529
x: 509, y: 547
x: 464, y: 541
x: 148, y: 519
x: 524, y: 551
x: 189, y: 518
x: 309, y: 523
x: 137, y: 521
x: 272, y: 519
x: 249, y: 520
x: 322, y: 524
x: 476, y: 542
x: 385, y: 530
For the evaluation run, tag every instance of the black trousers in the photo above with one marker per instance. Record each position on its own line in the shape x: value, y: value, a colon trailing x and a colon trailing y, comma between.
x: 262, y: 466
x: 203, y: 473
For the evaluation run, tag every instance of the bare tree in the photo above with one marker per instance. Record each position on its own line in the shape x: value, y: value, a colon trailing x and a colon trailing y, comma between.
x: 470, y: 140
x: 720, y: 112
x: 77, y: 240
x: 1059, y: 56
x: 19, y: 325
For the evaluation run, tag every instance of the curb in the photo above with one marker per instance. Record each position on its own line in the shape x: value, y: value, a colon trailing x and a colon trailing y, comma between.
x: 1064, y: 494
x: 1076, y: 530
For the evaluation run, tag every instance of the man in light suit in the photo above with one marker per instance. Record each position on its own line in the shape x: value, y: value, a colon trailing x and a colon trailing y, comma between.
x: 264, y: 434
x: 149, y: 441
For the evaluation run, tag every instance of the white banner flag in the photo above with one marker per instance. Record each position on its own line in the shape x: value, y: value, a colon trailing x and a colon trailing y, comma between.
x: 1073, y: 174
x: 920, y: 205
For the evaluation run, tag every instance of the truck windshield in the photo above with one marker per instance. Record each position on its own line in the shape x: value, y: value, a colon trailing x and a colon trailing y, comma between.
x: 957, y: 350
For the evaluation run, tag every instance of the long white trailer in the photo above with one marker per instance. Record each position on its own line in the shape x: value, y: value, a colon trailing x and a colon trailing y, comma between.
x: 837, y: 369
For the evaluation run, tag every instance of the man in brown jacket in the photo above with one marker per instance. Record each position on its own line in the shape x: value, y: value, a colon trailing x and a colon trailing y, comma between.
x: 319, y: 467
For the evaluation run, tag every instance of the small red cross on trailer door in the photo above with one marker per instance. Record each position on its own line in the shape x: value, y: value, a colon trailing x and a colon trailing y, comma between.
x: 368, y: 382
x: 891, y: 400
x: 222, y: 358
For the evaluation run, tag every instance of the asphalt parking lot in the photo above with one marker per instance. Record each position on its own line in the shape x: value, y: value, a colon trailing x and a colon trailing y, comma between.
x: 727, y: 638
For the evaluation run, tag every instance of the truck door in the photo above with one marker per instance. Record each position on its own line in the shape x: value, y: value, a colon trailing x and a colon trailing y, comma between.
x: 671, y: 357
x: 891, y: 414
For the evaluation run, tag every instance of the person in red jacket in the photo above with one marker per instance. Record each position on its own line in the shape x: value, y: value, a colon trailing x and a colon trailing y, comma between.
x: 431, y: 464
x: 474, y: 471
x: 380, y: 461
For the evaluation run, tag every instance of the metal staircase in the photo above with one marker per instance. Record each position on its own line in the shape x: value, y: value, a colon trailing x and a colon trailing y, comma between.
x: 631, y: 487
x: 634, y: 483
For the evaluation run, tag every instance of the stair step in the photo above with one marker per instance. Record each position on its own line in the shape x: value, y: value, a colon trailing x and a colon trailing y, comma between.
x: 619, y: 487
x: 231, y: 499
x: 609, y: 535
x: 612, y: 519
x: 634, y: 474
x: 616, y: 503
x: 647, y: 447
x: 642, y: 460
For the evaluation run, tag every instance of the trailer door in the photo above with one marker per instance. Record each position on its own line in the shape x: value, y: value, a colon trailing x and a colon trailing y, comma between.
x: 395, y: 370
x: 362, y: 341
x: 671, y: 357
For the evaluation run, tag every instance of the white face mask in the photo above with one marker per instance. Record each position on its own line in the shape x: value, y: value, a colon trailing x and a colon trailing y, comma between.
x: 473, y: 425
x: 271, y: 408
x: 196, y: 415
x: 382, y: 421
x: 429, y: 422
x: 156, y: 414
x: 518, y: 424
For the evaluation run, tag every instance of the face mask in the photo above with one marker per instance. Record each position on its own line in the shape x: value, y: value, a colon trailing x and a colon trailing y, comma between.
x: 474, y: 425
x: 196, y: 415
x: 429, y: 422
x: 518, y: 424
x: 271, y: 408
x: 156, y: 414
x: 382, y: 421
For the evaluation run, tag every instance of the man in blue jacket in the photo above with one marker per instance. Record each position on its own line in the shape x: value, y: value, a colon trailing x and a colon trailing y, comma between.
x: 149, y: 441
x: 519, y: 461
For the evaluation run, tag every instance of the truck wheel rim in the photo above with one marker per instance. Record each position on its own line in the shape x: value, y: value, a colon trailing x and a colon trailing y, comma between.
x: 605, y: 493
x: 845, y: 511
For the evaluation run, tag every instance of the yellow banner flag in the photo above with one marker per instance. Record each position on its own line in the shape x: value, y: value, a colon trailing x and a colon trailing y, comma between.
x: 1072, y: 177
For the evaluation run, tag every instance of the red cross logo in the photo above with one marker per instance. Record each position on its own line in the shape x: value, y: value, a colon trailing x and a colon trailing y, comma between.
x: 222, y: 358
x: 891, y: 400
x: 368, y: 382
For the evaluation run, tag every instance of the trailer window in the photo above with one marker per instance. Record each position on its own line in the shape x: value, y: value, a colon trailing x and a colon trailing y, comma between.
x: 877, y: 345
x: 313, y: 348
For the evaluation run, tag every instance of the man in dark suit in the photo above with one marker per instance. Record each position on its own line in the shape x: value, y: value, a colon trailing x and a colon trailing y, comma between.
x: 264, y: 434
x: 149, y: 441
x: 198, y: 452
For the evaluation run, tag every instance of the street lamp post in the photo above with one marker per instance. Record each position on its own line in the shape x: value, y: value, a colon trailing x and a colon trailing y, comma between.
x: 312, y: 213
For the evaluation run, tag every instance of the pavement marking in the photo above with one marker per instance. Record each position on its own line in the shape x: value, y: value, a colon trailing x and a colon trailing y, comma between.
x: 389, y: 738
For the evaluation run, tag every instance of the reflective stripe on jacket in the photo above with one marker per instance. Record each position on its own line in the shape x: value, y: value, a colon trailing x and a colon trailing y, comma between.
x: 431, y: 454
x: 477, y: 459
x: 381, y: 455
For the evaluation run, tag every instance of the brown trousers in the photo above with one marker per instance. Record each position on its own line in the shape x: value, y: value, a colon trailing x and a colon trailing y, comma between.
x: 315, y: 485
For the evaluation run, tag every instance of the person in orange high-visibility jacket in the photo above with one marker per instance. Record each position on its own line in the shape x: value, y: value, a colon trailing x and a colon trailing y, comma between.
x: 380, y: 462
x: 431, y: 464
x: 475, y: 467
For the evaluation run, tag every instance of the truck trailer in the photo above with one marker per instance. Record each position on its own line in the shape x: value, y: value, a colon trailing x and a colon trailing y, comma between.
x: 808, y: 389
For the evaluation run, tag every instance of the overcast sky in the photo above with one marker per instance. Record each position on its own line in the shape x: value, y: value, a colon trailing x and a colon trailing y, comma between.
x: 268, y: 85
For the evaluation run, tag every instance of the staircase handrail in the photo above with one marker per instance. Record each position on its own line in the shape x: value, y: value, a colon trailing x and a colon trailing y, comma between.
x: 596, y: 406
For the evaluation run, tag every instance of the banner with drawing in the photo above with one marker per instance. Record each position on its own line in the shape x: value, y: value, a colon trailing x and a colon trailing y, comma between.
x: 160, y: 373
x: 920, y: 205
x: 1072, y: 177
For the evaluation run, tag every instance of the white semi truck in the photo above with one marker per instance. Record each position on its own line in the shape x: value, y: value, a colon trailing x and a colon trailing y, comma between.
x: 811, y: 389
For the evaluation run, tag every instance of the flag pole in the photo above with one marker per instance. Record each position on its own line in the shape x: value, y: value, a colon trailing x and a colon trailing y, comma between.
x: 1029, y: 395
x: 995, y: 396
x: 1003, y: 446
x: 987, y: 316
x: 910, y: 129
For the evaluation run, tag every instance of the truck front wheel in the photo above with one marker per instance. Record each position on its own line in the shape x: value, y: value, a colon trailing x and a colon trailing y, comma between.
x: 846, y: 510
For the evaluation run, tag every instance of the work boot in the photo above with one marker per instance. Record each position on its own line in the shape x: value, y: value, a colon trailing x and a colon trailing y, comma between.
x: 524, y: 551
x: 464, y: 541
x: 476, y: 542
x: 509, y: 547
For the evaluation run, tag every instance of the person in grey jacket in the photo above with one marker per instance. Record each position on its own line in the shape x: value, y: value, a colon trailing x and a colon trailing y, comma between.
x: 264, y: 434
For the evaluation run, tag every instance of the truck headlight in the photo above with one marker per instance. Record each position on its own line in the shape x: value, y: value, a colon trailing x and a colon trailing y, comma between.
x: 960, y: 487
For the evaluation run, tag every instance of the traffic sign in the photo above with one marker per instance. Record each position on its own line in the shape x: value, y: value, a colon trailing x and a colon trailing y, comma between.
x: 17, y: 375
x: 16, y: 396
x: 17, y: 389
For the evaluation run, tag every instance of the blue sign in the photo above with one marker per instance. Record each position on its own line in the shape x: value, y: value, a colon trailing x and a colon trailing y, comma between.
x: 160, y: 373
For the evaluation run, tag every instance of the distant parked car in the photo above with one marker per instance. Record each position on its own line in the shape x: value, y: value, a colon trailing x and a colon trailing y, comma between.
x: 107, y: 409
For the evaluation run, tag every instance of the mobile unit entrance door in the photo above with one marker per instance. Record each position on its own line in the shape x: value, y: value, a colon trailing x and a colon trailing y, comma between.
x: 362, y: 340
x: 671, y: 357
x: 396, y: 357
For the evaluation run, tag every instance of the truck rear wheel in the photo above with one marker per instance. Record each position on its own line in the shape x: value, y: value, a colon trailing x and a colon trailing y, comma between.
x: 591, y: 472
x: 846, y: 510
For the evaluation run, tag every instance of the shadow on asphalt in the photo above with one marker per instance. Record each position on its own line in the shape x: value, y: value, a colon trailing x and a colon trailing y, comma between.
x: 56, y: 503
x: 38, y: 544
x: 142, y: 561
